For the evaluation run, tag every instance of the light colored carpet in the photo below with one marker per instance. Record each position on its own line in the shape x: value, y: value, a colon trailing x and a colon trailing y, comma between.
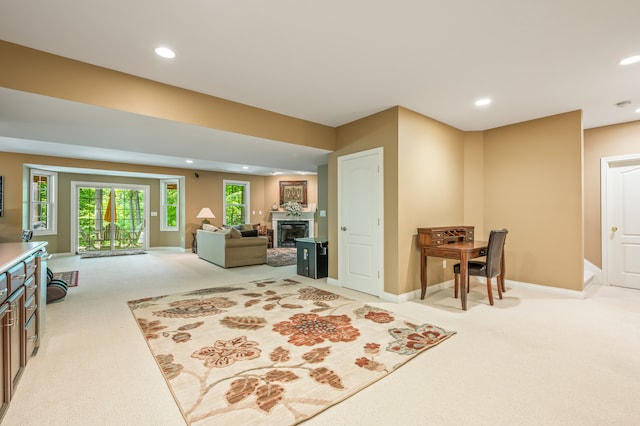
x: 538, y: 357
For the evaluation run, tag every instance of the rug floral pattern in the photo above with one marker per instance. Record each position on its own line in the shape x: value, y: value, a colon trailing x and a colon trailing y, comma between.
x: 272, y: 352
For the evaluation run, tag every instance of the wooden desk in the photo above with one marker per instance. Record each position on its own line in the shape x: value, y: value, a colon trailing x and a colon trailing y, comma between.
x: 460, y: 250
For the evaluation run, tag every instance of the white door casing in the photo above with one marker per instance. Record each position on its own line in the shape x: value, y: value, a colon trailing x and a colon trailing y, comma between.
x: 621, y: 222
x: 360, y: 226
x: 76, y: 185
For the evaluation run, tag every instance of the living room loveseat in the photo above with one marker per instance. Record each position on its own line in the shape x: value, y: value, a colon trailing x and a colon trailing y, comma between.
x: 229, y: 248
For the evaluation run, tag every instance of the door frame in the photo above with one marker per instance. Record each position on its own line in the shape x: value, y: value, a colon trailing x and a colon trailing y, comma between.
x: 606, y: 163
x: 379, y: 152
x: 73, y: 226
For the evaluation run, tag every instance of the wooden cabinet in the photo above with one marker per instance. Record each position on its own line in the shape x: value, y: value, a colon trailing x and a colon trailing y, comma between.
x: 22, y: 276
x: 15, y: 329
x: 5, y: 392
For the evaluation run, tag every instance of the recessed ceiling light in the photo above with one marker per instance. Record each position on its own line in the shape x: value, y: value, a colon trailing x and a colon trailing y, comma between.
x: 638, y: 110
x: 245, y: 167
x: 189, y: 161
x: 165, y: 52
x: 483, y: 102
x: 630, y: 60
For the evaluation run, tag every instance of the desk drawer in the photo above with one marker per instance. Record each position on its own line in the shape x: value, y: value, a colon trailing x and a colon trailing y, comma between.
x: 16, y: 277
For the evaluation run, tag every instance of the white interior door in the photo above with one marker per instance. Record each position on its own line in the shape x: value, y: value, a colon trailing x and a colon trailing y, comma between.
x: 360, y: 221
x: 623, y: 224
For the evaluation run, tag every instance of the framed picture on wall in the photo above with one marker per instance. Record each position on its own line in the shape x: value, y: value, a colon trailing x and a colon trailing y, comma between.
x: 293, y: 190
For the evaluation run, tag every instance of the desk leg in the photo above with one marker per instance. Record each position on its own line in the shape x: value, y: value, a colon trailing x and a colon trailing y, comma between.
x: 423, y: 274
x: 464, y: 278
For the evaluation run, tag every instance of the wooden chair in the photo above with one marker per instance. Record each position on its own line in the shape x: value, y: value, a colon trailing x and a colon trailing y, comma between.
x: 492, y: 268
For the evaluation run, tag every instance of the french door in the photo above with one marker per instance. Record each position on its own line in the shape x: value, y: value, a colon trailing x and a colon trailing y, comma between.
x: 109, y: 217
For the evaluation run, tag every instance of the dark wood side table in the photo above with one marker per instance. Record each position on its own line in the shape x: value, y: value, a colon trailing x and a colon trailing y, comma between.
x: 266, y: 232
x: 194, y: 244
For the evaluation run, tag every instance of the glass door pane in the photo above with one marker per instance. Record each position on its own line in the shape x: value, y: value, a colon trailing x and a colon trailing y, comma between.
x: 129, y: 221
x: 110, y: 219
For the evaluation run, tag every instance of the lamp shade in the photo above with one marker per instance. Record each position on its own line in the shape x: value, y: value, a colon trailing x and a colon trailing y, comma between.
x: 206, y: 213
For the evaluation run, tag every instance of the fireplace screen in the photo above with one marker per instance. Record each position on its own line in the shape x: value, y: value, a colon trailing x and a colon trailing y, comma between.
x: 289, y: 230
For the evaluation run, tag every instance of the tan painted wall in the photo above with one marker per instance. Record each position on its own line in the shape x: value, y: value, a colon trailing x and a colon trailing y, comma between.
x: 205, y: 191
x: 601, y: 142
x: 430, y: 192
x: 378, y: 130
x: 533, y: 187
x: 34, y: 71
x: 474, y: 182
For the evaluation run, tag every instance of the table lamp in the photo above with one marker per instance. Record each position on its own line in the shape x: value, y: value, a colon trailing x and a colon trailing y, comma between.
x: 205, y: 214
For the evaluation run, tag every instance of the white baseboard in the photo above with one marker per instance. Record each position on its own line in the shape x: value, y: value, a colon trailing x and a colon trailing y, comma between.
x: 433, y: 288
x: 592, y: 274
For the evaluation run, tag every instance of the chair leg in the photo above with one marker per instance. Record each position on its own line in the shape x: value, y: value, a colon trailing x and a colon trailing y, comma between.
x: 498, y: 280
x: 489, y: 291
x: 456, y: 285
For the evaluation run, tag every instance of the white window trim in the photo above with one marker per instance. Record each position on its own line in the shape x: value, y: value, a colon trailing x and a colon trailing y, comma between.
x: 247, y: 185
x: 52, y: 210
x: 164, y: 205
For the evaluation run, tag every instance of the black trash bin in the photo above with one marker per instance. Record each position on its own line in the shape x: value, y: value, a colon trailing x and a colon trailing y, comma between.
x: 312, y: 258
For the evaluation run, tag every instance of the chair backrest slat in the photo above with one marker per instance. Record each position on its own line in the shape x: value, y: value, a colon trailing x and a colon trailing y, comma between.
x: 494, y: 252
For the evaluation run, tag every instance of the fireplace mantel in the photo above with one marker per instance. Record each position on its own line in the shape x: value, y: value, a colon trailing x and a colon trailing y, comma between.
x: 276, y: 217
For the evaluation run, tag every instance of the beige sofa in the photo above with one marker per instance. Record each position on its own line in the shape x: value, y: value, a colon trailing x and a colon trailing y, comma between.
x: 230, y: 249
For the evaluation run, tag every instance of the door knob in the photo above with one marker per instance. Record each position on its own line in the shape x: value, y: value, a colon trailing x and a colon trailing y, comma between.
x: 344, y: 228
x: 614, y: 228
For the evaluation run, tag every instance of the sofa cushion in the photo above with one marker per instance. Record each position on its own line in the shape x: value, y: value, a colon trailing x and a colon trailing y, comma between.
x: 209, y: 227
x: 235, y: 233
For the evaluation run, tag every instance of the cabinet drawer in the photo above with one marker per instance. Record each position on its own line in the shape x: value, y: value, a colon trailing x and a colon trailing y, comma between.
x: 3, y: 287
x: 31, y: 335
x: 30, y: 307
x: 31, y: 286
x: 30, y: 266
x: 16, y: 277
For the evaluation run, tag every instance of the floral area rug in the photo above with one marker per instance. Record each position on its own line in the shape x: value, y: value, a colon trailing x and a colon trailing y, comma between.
x: 69, y: 277
x: 281, y: 256
x: 272, y: 352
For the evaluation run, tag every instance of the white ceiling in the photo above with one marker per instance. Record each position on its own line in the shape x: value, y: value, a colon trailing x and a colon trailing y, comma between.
x: 329, y: 62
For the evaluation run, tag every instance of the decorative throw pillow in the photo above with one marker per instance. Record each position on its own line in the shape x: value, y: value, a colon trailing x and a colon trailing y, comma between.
x: 209, y: 227
x: 235, y: 233
x: 251, y: 233
x: 245, y: 227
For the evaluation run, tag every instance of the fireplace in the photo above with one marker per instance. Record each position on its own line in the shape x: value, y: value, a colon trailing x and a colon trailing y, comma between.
x: 285, y: 237
x: 289, y: 230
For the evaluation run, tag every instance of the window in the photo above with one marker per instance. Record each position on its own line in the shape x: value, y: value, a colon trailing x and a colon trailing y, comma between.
x: 42, y: 214
x: 169, y: 218
x: 236, y: 202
